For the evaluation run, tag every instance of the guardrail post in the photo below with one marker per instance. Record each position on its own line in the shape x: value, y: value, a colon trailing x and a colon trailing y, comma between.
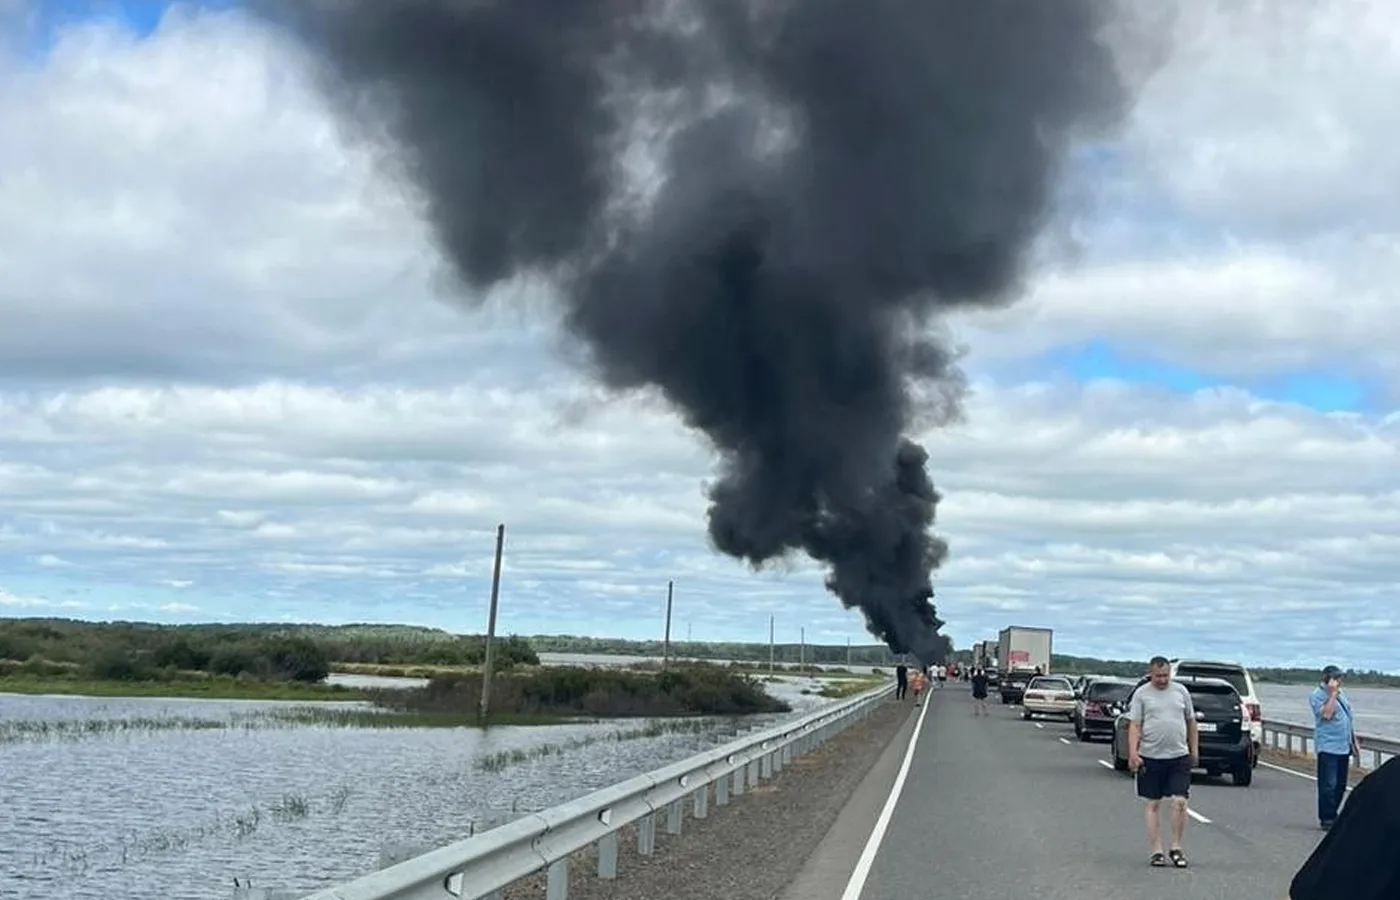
x: 607, y: 856
x: 721, y: 791
x: 673, y: 817
x: 646, y: 834
x: 738, y: 786
x: 754, y: 772
x: 765, y: 766
x: 556, y: 885
x: 702, y: 802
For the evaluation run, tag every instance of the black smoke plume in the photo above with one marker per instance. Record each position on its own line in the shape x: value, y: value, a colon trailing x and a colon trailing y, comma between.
x: 758, y: 208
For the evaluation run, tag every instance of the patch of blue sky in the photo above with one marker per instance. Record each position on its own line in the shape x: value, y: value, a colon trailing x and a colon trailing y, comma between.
x: 42, y: 21
x: 1325, y: 391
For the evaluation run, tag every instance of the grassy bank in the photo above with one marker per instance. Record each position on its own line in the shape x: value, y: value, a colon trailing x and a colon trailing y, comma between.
x: 849, y: 687
x: 689, y: 690
x: 210, y: 688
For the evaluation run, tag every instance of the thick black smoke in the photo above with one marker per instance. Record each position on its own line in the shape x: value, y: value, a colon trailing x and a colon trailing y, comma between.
x: 826, y: 177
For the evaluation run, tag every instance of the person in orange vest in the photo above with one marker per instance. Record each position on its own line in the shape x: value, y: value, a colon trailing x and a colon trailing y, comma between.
x: 916, y: 682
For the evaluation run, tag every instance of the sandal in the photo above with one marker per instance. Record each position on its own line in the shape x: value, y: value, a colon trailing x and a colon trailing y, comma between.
x: 1179, y: 858
x: 1158, y: 860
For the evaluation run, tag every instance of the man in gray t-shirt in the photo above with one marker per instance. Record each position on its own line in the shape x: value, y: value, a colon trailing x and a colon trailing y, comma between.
x: 1163, y: 748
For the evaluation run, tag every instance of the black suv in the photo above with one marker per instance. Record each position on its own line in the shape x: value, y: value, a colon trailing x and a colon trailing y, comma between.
x: 1013, y: 684
x: 1220, y: 721
x: 1098, y: 705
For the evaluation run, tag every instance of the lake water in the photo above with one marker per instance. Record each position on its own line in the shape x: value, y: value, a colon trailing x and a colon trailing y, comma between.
x: 93, y: 812
x: 1377, y: 709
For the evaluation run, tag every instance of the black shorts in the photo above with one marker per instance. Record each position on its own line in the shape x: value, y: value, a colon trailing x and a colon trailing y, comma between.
x: 1160, y: 778
x: 979, y: 693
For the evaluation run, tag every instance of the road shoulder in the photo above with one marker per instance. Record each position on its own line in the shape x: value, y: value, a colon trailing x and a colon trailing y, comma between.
x: 829, y: 867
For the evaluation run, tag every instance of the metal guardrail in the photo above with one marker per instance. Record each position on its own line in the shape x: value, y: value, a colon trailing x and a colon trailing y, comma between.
x: 1295, y: 738
x: 478, y: 868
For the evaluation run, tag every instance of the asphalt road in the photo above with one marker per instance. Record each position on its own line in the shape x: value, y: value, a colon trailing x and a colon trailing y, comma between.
x: 997, y: 807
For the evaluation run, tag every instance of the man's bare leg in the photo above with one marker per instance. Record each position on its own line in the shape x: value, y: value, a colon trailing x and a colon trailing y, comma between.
x: 1154, y: 825
x: 1178, y: 821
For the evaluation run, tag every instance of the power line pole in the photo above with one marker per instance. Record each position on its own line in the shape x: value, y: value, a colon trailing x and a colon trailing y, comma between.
x: 770, y: 647
x: 848, y: 653
x: 802, y: 649
x: 491, y: 624
x: 666, y: 645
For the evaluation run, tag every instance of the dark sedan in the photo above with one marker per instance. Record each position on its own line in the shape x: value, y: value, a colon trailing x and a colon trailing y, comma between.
x: 1099, y: 703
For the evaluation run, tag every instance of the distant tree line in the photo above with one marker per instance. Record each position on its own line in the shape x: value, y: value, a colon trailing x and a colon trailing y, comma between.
x: 136, y: 651
x: 834, y: 654
x: 1274, y: 674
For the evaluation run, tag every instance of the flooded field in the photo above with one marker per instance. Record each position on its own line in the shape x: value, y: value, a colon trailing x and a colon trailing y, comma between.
x: 162, y: 799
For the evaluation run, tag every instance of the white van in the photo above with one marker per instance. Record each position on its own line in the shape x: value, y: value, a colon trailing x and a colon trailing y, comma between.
x: 1243, y: 682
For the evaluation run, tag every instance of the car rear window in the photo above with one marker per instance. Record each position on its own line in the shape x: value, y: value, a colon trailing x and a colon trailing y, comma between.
x: 1050, y: 684
x: 1234, y: 676
x: 1214, y: 700
x: 1108, y: 690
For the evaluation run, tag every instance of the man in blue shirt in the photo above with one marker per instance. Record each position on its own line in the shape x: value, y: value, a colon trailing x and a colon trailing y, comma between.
x: 1334, y: 743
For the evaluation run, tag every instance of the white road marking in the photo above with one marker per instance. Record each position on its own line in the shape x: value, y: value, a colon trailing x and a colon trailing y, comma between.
x: 1294, y: 772
x: 1039, y: 724
x: 856, y: 884
x: 1066, y: 742
x: 1288, y: 771
x: 1190, y: 812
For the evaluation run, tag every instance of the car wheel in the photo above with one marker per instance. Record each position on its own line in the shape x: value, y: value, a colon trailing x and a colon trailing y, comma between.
x: 1083, y: 735
x: 1025, y: 714
x: 1119, y: 763
x: 1243, y: 776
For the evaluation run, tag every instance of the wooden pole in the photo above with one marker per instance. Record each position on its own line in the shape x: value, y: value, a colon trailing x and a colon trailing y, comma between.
x: 666, y: 645
x: 491, y: 624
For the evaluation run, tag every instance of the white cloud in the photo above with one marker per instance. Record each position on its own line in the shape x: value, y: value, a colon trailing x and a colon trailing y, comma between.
x: 229, y: 384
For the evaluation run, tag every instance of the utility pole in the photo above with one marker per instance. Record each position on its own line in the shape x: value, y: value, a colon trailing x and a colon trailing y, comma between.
x: 770, y: 647
x: 848, y: 653
x: 802, y: 648
x: 666, y: 645
x: 491, y: 624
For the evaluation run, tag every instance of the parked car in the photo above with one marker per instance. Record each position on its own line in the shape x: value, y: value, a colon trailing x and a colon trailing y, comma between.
x: 1098, y: 704
x: 1221, y: 719
x: 1048, y: 695
x: 1240, y: 679
x: 1082, y: 680
x: 1013, y: 684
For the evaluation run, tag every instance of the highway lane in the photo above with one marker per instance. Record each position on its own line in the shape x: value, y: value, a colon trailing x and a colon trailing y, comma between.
x: 997, y: 807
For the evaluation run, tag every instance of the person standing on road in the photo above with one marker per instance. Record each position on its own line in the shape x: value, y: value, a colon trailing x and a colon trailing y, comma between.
x: 901, y: 681
x: 1163, y: 747
x: 942, y: 675
x: 1334, y: 743
x: 979, y: 691
x: 1356, y: 860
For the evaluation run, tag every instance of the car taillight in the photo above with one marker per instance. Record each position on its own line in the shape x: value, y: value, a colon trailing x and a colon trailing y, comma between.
x: 1253, y: 711
x: 1093, y: 709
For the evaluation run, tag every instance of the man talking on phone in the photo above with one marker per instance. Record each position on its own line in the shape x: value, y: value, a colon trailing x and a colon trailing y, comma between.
x: 1334, y: 743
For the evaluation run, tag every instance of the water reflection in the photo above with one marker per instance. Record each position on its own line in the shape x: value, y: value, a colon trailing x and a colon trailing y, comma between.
x: 180, y: 813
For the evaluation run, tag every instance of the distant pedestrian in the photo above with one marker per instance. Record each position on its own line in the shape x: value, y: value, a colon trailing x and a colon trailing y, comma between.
x: 901, y: 681
x: 1163, y: 748
x: 1356, y: 860
x: 917, y: 682
x: 1334, y: 744
x: 979, y: 691
x: 942, y: 675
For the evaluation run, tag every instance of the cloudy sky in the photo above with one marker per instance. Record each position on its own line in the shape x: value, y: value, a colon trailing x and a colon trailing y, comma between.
x: 234, y: 386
